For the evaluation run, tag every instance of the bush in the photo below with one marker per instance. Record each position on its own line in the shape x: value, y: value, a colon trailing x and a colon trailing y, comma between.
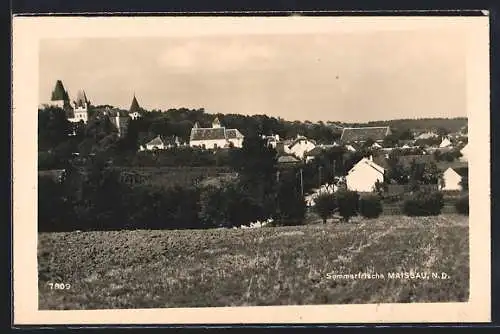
x: 370, y: 206
x: 462, y: 205
x: 227, y: 206
x: 325, y: 205
x: 423, y: 203
x: 348, y: 203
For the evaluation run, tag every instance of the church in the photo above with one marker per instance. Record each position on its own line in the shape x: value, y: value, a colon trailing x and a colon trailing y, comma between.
x: 215, y: 137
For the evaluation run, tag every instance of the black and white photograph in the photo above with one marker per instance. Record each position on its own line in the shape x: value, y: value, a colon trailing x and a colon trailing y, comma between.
x: 253, y: 164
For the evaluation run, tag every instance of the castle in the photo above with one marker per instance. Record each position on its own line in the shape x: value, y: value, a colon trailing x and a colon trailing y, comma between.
x: 79, y: 109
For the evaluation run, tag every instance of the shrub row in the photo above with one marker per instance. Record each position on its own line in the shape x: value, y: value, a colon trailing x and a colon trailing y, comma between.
x: 98, y: 200
x: 349, y: 203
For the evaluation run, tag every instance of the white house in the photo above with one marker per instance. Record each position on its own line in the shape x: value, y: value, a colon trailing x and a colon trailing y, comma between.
x: 363, y: 176
x: 452, y: 177
x: 445, y: 143
x: 300, y: 146
x: 465, y: 153
x: 215, y: 137
x: 426, y: 135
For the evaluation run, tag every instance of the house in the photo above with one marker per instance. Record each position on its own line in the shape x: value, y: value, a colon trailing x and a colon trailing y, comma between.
x: 360, y: 135
x: 272, y: 140
x: 465, y: 153
x: 452, y: 178
x: 363, y: 176
x: 376, y: 145
x: 159, y: 143
x: 426, y: 135
x: 314, y: 153
x: 301, y: 145
x: 215, y: 137
x: 445, y: 143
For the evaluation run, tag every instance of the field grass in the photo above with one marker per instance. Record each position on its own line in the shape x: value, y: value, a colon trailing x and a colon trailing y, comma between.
x: 266, y: 266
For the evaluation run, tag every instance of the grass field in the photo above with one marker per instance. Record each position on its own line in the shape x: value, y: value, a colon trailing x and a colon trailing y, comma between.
x: 266, y: 266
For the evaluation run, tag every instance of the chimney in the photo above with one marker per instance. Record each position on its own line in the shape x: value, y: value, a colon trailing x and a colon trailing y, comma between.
x: 370, y: 158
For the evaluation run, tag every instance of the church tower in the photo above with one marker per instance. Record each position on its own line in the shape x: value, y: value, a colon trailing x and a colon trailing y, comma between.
x: 135, y: 110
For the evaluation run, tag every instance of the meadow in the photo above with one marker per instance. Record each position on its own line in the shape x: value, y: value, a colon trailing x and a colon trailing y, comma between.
x: 254, y: 267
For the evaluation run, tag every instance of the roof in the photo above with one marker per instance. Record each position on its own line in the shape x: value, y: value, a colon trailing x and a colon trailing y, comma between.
x: 377, y: 133
x: 315, y: 151
x: 370, y: 163
x: 156, y: 141
x: 134, y: 107
x: 233, y: 133
x: 81, y: 98
x: 207, y: 134
x: 299, y: 139
x: 287, y: 159
x: 59, y: 93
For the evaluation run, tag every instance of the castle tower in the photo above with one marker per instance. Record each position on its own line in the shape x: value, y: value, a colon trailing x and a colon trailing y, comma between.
x: 60, y: 97
x: 81, y: 107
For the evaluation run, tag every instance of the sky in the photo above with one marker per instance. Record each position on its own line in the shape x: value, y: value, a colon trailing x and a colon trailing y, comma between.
x: 345, y: 76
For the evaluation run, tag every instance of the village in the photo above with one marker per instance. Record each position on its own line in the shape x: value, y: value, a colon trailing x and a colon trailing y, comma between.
x: 376, y: 160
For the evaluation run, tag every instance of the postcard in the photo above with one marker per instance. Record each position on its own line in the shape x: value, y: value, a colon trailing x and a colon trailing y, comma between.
x: 251, y: 170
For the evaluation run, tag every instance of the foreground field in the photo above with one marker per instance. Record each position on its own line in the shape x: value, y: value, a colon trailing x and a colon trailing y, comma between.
x: 267, y: 266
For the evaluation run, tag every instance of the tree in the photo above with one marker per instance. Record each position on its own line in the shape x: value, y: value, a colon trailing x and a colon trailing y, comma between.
x: 291, y: 207
x: 255, y: 163
x: 53, y: 128
x: 348, y: 203
x: 325, y: 205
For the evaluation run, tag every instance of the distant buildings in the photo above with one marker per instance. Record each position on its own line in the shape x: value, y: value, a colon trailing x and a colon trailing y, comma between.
x: 215, y: 137
x: 363, y: 134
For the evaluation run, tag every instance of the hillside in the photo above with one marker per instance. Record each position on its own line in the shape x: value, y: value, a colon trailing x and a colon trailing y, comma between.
x: 451, y: 124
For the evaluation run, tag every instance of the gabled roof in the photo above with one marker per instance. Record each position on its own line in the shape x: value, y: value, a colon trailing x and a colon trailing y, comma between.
x: 207, y: 134
x: 233, y: 134
x: 366, y: 161
x: 156, y: 141
x: 59, y: 93
x: 377, y: 133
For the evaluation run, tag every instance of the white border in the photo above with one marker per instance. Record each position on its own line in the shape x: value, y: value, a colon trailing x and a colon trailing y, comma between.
x: 27, y: 32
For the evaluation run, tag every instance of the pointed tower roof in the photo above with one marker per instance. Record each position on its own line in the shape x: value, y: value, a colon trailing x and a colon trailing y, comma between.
x: 59, y: 93
x: 196, y: 125
x: 134, y: 106
x: 81, y: 98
